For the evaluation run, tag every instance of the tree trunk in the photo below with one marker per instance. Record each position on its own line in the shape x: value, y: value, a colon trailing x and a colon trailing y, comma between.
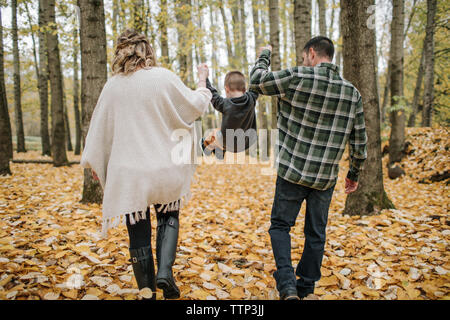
x: 302, y: 26
x: 199, y: 34
x: 417, y: 91
x: 331, y: 26
x: 76, y: 91
x: 237, y: 41
x: 256, y: 26
x: 214, y: 55
x: 93, y: 77
x: 359, y: 68
x: 115, y: 21
x: 17, y: 91
x: 227, y: 36
x: 322, y: 14
x: 43, y: 84
x: 428, y: 91
x: 386, y: 92
x: 6, y: 147
x: 397, y: 115
x: 138, y: 9
x: 275, y: 42
x: 40, y: 84
x: 243, y: 28
x: 284, y: 27
x: 66, y: 119
x: 56, y: 86
x: 162, y: 22
x: 183, y: 16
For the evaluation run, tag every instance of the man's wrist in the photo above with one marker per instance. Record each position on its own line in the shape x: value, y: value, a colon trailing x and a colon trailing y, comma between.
x: 353, y: 175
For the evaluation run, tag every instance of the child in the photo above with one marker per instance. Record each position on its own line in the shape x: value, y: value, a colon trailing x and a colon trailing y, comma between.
x: 238, y: 117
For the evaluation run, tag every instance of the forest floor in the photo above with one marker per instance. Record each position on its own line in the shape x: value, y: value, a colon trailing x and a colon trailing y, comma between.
x: 50, y: 246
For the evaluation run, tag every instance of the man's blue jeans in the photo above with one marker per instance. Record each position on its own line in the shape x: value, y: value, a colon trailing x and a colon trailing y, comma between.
x: 286, y: 206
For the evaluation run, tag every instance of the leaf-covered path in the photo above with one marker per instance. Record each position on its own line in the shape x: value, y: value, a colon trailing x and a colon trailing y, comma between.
x: 50, y: 246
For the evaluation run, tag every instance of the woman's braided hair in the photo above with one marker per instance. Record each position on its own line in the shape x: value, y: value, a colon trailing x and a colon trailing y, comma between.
x: 133, y: 52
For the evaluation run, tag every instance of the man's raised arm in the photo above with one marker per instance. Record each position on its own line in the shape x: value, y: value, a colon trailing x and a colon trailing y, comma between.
x: 265, y: 82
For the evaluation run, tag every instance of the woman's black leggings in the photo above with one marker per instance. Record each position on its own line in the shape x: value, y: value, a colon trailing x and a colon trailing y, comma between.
x: 140, y: 233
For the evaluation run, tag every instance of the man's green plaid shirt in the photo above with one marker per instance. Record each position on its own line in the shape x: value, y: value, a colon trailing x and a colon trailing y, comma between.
x: 318, y: 112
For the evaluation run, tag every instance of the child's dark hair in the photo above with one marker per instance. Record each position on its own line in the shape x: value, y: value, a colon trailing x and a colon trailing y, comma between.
x: 322, y: 45
x: 235, y: 81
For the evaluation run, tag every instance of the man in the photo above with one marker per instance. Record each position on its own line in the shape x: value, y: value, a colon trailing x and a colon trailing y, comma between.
x: 318, y: 112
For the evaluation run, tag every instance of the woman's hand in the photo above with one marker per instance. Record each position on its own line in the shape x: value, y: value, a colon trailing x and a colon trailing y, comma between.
x: 203, y: 72
x: 94, y: 176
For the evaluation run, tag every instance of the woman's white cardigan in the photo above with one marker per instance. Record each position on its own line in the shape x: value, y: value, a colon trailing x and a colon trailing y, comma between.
x: 130, y: 142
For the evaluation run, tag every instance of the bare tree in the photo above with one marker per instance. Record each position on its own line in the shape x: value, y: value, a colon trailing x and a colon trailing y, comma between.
x: 275, y: 43
x: 302, y: 26
x: 243, y: 27
x: 162, y: 22
x: 56, y: 86
x: 322, y: 14
x: 359, y: 50
x: 417, y: 91
x: 76, y: 90
x: 428, y: 94
x: 397, y: 115
x: 6, y: 147
x: 227, y: 35
x: 93, y: 77
x: 17, y: 91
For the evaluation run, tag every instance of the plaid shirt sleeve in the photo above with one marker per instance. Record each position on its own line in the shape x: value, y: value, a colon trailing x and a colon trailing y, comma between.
x: 358, y: 143
x: 269, y: 83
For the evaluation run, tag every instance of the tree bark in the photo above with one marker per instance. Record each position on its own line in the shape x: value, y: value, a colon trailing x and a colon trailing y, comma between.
x: 322, y: 14
x: 428, y: 92
x: 183, y: 16
x: 17, y: 91
x: 214, y: 55
x: 227, y: 36
x: 275, y: 43
x: 43, y: 84
x: 66, y: 118
x: 302, y: 27
x: 243, y: 28
x: 397, y: 115
x: 76, y: 91
x: 56, y: 86
x: 359, y: 68
x: 6, y: 147
x: 417, y: 91
x: 162, y: 22
x: 138, y: 9
x: 237, y: 41
x: 93, y: 77
x: 115, y: 21
x: 386, y: 92
x: 40, y: 84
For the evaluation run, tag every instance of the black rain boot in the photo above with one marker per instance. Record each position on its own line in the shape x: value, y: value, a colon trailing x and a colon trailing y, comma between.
x: 144, y: 268
x: 166, y: 247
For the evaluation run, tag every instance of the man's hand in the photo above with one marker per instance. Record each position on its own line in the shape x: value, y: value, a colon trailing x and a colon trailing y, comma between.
x: 94, y: 176
x: 350, y: 186
x: 269, y: 47
x: 203, y: 71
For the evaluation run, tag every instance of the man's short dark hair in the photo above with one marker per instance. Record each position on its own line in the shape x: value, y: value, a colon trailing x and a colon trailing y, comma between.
x: 322, y: 45
x: 235, y: 81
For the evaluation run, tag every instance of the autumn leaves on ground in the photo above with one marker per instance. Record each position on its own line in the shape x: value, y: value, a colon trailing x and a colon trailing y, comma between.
x: 50, y: 246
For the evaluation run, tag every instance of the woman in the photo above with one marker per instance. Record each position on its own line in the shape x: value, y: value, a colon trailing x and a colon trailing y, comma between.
x: 128, y: 147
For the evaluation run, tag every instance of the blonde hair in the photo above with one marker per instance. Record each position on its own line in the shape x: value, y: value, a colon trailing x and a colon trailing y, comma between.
x: 133, y: 52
